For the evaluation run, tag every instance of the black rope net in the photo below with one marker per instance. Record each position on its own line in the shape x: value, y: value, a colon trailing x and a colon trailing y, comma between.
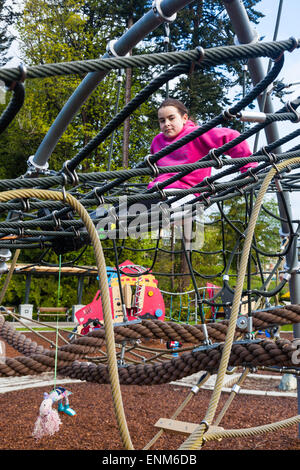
x: 33, y: 224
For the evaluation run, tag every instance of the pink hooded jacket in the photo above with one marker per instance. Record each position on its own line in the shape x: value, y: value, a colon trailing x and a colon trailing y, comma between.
x: 194, y: 151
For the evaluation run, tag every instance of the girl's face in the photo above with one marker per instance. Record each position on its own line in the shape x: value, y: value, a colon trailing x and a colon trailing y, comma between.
x: 171, y: 121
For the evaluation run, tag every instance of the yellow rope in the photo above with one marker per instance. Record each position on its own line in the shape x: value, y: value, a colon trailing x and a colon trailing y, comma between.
x: 255, y: 431
x: 195, y: 440
x: 231, y: 397
x: 9, y: 275
x: 105, y: 297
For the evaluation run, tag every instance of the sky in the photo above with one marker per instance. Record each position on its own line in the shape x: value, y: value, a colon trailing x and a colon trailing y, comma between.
x: 290, y: 74
x: 288, y: 26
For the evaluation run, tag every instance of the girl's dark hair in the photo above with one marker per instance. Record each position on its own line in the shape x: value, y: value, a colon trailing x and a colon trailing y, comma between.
x: 176, y: 103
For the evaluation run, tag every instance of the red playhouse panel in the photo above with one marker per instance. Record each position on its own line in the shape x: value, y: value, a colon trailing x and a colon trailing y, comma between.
x: 141, y: 295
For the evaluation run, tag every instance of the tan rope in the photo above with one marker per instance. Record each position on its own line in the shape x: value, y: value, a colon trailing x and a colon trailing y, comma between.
x: 255, y: 431
x: 231, y: 397
x: 185, y: 402
x: 105, y: 297
x: 194, y: 441
x: 9, y: 275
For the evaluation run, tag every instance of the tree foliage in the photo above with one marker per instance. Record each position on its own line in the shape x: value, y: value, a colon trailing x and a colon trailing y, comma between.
x: 68, y: 30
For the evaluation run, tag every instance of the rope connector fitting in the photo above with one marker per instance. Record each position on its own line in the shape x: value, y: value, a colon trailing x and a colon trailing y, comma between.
x: 34, y: 168
x: 73, y: 175
x: 228, y: 115
x: 21, y: 79
x: 205, y: 424
x: 212, y: 154
x: 195, y: 389
x: 99, y: 197
x: 152, y: 166
x: 236, y: 388
x: 161, y: 191
x: 296, y: 117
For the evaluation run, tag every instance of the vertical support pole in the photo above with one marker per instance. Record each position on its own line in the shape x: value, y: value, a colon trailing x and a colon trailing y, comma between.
x: 27, y: 288
x: 80, y: 289
x: 245, y: 35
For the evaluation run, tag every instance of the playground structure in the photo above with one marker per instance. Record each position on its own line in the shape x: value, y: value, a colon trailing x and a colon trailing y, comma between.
x: 218, y: 345
x: 135, y: 298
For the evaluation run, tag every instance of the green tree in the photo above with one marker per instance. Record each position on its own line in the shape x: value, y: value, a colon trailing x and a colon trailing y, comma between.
x: 205, y: 23
x: 8, y: 16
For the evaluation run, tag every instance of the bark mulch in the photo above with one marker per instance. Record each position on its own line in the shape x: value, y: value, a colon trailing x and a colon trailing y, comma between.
x: 95, y: 427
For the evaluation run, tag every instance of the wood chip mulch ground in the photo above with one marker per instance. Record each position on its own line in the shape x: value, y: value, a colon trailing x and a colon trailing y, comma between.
x: 95, y: 427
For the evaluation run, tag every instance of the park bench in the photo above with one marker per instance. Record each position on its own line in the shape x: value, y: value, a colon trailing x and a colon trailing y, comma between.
x: 53, y: 312
x: 7, y: 310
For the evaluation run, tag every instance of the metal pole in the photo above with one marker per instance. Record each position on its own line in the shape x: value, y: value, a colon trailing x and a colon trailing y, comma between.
x: 80, y: 289
x: 27, y: 288
x: 162, y: 11
x: 245, y: 35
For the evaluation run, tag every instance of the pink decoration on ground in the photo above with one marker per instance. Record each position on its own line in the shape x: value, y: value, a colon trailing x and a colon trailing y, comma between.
x: 48, y: 421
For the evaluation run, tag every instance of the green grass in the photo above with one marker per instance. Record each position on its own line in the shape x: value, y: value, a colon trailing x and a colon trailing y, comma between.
x: 286, y: 328
x: 45, y: 328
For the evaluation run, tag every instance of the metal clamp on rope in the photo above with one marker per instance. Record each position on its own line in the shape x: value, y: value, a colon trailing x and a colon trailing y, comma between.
x: 99, y: 197
x: 205, y: 424
x: 295, y: 44
x: 272, y: 159
x: 57, y: 221
x: 201, y: 53
x: 236, y: 388
x: 21, y: 231
x: 64, y: 194
x: 210, y: 185
x: 195, y: 389
x: 152, y: 166
x: 73, y: 175
x: 228, y: 115
x: 77, y: 233
x: 205, y: 200
x: 254, y: 175
x: 25, y: 205
x: 164, y: 210
x: 292, y: 110
x: 212, y: 154
x: 21, y: 79
x: 161, y: 191
x: 156, y: 7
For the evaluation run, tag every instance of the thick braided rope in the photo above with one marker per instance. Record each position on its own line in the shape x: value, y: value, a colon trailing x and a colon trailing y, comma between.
x: 150, y: 329
x: 196, y: 438
x: 245, y: 354
x: 105, y: 297
x: 254, y: 354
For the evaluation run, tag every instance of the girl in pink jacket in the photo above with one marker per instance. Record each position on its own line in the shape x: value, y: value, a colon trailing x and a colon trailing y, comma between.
x: 175, y: 124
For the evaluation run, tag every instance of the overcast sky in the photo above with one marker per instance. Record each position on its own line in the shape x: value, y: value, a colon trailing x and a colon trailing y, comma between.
x: 288, y: 26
